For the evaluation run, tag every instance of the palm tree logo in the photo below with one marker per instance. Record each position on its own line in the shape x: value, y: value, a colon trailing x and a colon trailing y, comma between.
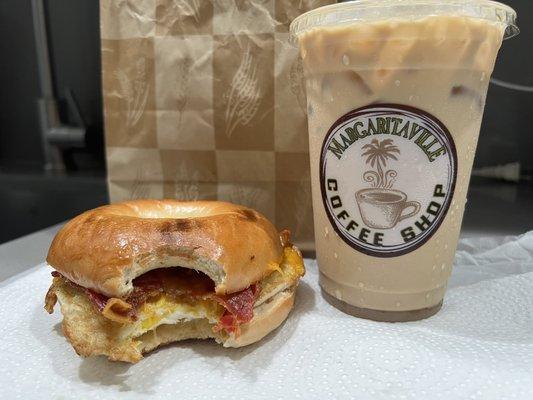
x: 377, y: 154
x: 381, y: 206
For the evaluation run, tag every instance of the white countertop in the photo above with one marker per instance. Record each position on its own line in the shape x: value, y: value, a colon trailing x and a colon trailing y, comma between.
x: 25, y: 252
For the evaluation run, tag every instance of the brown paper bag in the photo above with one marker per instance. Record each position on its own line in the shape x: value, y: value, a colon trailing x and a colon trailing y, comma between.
x: 204, y: 99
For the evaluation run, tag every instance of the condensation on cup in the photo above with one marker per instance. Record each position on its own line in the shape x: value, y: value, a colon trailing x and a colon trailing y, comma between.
x: 395, y: 97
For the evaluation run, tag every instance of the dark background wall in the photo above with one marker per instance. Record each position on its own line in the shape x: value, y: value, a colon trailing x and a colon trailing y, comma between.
x: 505, y: 134
x: 19, y: 129
x: 75, y: 46
x: 31, y: 198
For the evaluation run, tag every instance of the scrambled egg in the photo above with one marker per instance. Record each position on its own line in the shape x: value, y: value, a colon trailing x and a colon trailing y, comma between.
x: 168, y: 310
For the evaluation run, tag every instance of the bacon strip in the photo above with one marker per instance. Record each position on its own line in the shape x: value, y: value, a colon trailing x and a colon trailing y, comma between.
x: 239, y: 309
x: 98, y: 299
x: 119, y: 311
x: 239, y: 306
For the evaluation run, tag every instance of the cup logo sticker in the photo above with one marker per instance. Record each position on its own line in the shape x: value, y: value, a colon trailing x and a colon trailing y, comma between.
x: 387, y: 178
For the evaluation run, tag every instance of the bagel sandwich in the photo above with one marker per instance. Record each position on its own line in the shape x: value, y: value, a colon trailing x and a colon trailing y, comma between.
x: 132, y: 276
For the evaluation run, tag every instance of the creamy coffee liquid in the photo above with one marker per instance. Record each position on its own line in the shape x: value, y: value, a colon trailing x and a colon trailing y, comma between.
x: 394, y: 108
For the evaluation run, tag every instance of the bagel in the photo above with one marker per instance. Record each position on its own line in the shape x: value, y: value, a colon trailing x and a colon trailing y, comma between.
x: 134, y: 275
x: 106, y: 248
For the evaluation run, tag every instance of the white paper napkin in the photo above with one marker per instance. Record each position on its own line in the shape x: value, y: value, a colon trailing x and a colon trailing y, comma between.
x: 479, y: 346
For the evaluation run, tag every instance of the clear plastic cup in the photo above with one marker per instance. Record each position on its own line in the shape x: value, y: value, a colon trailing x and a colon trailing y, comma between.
x: 395, y: 92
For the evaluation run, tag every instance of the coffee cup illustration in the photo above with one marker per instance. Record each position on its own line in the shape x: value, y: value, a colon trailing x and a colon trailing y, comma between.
x: 384, y: 208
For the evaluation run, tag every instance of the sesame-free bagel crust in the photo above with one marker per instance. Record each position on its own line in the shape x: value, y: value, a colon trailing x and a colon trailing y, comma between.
x: 106, y: 248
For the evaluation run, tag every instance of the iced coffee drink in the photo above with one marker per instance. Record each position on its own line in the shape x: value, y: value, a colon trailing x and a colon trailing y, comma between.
x: 395, y: 94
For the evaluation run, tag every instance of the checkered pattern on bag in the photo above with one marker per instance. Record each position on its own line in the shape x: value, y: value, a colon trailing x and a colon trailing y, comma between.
x: 204, y: 99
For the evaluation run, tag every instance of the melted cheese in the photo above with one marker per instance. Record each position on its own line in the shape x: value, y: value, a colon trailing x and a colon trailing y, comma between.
x: 289, y: 270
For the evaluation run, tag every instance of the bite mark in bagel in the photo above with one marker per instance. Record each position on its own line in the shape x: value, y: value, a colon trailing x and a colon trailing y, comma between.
x: 135, y: 275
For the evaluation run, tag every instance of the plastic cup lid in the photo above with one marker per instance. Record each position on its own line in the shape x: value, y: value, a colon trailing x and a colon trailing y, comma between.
x: 376, y: 10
